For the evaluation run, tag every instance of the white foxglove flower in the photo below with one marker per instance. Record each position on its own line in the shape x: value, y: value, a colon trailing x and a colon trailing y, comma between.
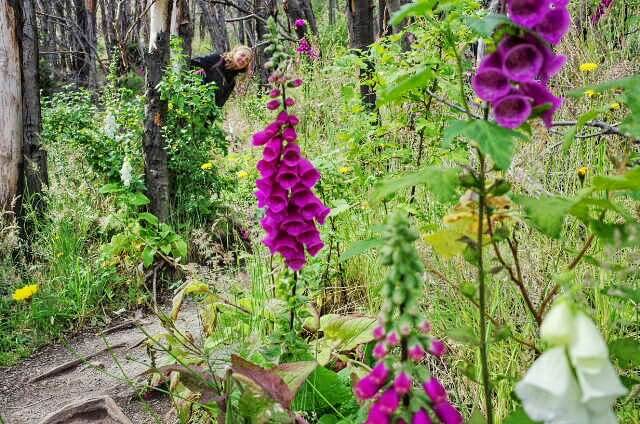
x: 600, y: 391
x: 549, y: 391
x: 110, y: 125
x: 557, y: 327
x: 576, y: 413
x: 608, y: 417
x: 588, y: 352
x: 125, y: 172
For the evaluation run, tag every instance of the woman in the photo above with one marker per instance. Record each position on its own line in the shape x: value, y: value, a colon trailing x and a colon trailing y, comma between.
x: 223, y: 69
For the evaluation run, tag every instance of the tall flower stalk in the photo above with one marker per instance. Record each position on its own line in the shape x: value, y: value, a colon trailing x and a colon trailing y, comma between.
x: 404, y: 332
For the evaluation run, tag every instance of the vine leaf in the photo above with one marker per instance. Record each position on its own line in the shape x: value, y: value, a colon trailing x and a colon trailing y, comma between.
x: 492, y: 140
x: 546, y: 213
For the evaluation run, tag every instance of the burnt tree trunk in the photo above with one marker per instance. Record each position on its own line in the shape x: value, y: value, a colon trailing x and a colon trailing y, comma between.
x: 301, y: 9
x: 332, y: 12
x: 181, y: 25
x: 156, y: 61
x: 264, y: 9
x: 361, y: 36
x: 34, y: 172
x: 10, y: 103
x: 214, y: 16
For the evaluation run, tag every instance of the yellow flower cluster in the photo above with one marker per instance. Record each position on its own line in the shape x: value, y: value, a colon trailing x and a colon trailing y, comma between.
x: 25, y: 293
x: 242, y: 174
x: 344, y: 170
x: 614, y: 106
x: 207, y: 166
x: 590, y: 93
x: 588, y: 67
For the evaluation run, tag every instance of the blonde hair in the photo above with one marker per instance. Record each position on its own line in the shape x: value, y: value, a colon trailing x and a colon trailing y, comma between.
x: 229, y: 56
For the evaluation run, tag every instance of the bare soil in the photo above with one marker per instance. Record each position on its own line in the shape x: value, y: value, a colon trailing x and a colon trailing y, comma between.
x: 110, y: 373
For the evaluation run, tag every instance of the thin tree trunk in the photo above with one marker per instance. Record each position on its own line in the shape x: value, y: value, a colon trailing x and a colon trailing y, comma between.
x: 332, y: 12
x: 181, y: 25
x: 156, y: 159
x: 10, y: 103
x: 264, y: 9
x: 361, y: 36
x: 35, y: 174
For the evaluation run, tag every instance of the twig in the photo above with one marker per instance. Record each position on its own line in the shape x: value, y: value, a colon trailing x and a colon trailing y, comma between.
x: 452, y: 105
x: 122, y: 326
x: 606, y: 127
x: 74, y: 363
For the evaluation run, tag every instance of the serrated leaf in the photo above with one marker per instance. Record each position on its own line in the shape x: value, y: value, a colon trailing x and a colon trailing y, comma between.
x: 546, y: 213
x: 440, y: 181
x: 360, y: 247
x: 148, y: 217
x: 626, y: 351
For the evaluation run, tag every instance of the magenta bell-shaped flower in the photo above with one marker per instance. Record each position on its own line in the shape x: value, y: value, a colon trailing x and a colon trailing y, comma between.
x: 367, y: 388
x: 379, y: 332
x: 377, y: 416
x: 309, y: 175
x: 448, y: 413
x: 512, y: 111
x: 435, y: 390
x: 393, y: 338
x: 523, y: 63
x: 389, y: 401
x: 421, y: 417
x: 437, y: 348
x: 380, y: 350
x: 490, y: 84
x: 287, y: 176
x: 541, y: 95
x: 527, y: 12
x: 273, y: 104
x: 260, y: 138
x: 554, y: 25
x: 272, y: 150
x: 291, y: 155
x: 416, y: 352
x: 380, y: 373
x: 266, y: 169
x: 289, y: 134
x: 293, y: 120
x: 403, y: 383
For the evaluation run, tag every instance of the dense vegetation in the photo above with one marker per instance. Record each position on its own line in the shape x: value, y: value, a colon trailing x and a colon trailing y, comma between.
x: 476, y: 241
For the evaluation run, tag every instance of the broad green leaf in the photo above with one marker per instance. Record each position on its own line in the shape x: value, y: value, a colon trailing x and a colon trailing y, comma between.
x: 465, y: 335
x: 179, y: 248
x: 628, y: 181
x: 340, y: 206
x: 147, y: 256
x: 406, y: 83
x: 446, y: 243
x: 148, y: 217
x: 487, y: 25
x: 519, y: 417
x: 360, y: 247
x: 620, y: 235
x: 138, y: 199
x: 418, y: 8
x: 477, y: 417
x: 294, y: 374
x: 111, y: 188
x: 440, y: 181
x: 492, y: 139
x: 624, y: 293
x: 323, y: 389
x: 342, y: 333
x: 624, y: 83
x: 546, y: 213
x: 626, y: 351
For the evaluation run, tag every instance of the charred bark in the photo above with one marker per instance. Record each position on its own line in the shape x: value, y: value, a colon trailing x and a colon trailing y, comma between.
x: 181, y: 25
x: 361, y: 36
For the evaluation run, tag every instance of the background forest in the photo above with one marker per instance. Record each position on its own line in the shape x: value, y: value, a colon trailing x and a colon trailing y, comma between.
x: 415, y: 231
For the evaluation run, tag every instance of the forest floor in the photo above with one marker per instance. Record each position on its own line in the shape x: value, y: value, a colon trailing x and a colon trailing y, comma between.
x: 110, y: 373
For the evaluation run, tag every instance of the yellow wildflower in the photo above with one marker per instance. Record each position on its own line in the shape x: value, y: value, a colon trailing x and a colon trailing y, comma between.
x: 590, y: 93
x: 207, y: 166
x: 614, y: 106
x: 344, y: 170
x: 582, y: 171
x: 25, y: 292
x: 243, y: 174
x: 588, y: 67
x: 477, y: 100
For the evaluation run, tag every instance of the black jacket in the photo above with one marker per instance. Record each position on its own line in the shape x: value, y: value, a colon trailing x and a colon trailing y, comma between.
x: 215, y: 71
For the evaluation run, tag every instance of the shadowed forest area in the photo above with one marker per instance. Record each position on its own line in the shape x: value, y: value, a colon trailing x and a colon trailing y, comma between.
x: 320, y: 211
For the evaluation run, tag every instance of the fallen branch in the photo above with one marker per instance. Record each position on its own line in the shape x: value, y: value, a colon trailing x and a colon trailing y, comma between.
x: 130, y: 323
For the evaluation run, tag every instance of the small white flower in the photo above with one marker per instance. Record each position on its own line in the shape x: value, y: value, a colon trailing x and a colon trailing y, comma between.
x: 588, y: 352
x: 600, y: 390
x: 125, y: 172
x: 110, y: 125
x: 549, y: 391
x: 557, y: 327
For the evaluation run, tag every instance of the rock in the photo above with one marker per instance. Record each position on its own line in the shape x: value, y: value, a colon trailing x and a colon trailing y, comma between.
x: 96, y: 410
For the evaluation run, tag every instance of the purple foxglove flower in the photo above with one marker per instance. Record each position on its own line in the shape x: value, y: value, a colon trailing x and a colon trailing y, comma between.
x: 322, y: 215
x: 527, y: 12
x: 367, y: 388
x: 283, y: 118
x: 269, y: 224
x: 424, y: 326
x: 437, y: 348
x: 287, y: 245
x: 272, y: 129
x: 380, y: 373
x: 291, y: 155
x: 297, y: 262
x: 310, y: 236
x: 494, y: 60
x: 300, y: 23
x: 293, y: 225
x: 403, y: 383
x: 289, y: 134
x: 272, y: 150
x: 416, y: 352
x: 265, y: 185
x: 302, y: 198
x: 293, y: 120
x: 379, y: 332
x: 389, y: 401
x: 275, y: 93
x: 287, y: 176
x: 277, y: 201
x: 512, y: 111
x: 309, y: 175
x: 490, y: 84
x: 273, y: 104
x: 315, y: 248
x: 377, y: 416
x: 448, y: 413
x: 266, y: 169
x: 262, y: 198
x: 312, y: 209
x: 380, y: 350
x: 289, y: 102
x: 541, y: 95
x: 421, y: 417
x: 260, y: 138
x: 295, y: 83
x: 435, y: 390
x: 554, y: 25
x: 393, y: 338
x: 270, y: 243
x: 523, y: 63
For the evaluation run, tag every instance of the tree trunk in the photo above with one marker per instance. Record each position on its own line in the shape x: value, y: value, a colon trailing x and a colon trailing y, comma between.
x: 35, y: 174
x: 361, y: 36
x: 214, y: 16
x: 10, y: 103
x: 181, y: 25
x: 332, y: 12
x: 264, y: 9
x: 156, y: 61
x: 301, y: 9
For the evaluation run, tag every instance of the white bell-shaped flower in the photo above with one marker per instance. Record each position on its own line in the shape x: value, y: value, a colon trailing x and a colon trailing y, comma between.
x: 549, y: 390
x: 608, y: 417
x: 557, y: 327
x: 110, y: 125
x: 588, y: 352
x: 575, y: 413
x: 126, y: 173
x: 600, y: 390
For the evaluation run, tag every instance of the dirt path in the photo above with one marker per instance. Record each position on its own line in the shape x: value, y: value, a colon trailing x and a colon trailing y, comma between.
x: 22, y: 402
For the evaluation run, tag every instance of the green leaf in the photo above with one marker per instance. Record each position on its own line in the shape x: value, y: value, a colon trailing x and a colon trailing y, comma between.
x: 519, y: 417
x: 626, y: 351
x: 546, y: 213
x: 624, y: 83
x: 111, y: 188
x: 406, y: 83
x: 147, y: 255
x: 342, y: 333
x: 418, y: 8
x: 624, y: 293
x: 360, y: 247
x: 138, y: 199
x: 323, y: 390
x: 340, y: 206
x: 492, y: 139
x: 440, y: 181
x: 148, y: 217
x: 179, y: 248
x: 628, y: 181
x: 465, y: 335
x: 446, y: 243
x: 619, y: 235
x: 487, y: 25
x: 477, y: 417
